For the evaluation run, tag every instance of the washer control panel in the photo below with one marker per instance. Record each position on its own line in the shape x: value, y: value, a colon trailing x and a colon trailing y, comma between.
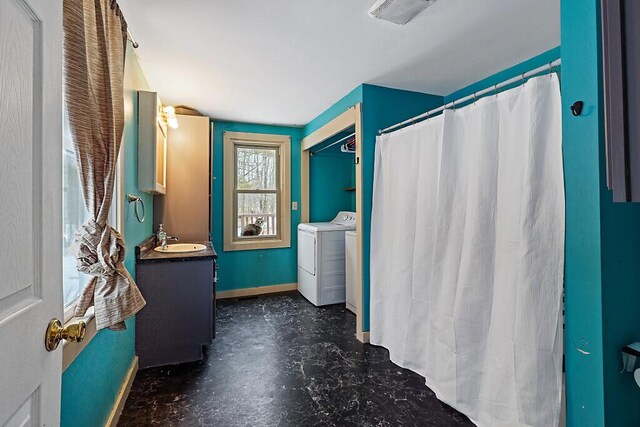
x: 345, y: 218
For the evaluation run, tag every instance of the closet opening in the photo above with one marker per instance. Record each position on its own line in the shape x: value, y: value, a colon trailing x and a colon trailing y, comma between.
x: 329, y: 245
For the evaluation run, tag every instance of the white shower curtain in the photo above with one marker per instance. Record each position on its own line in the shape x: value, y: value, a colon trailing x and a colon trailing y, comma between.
x: 467, y: 254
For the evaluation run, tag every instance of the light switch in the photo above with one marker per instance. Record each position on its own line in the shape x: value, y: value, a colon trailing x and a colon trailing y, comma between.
x: 294, y: 206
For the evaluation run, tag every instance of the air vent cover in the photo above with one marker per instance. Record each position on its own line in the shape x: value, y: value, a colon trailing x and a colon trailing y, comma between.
x: 398, y: 11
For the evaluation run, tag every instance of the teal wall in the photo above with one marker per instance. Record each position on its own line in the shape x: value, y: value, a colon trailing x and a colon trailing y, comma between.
x: 92, y: 382
x: 583, y: 270
x: 247, y: 269
x: 329, y: 175
x: 330, y: 172
x: 602, y: 242
x: 352, y: 98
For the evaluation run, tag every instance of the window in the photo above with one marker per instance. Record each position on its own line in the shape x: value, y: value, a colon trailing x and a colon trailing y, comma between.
x: 74, y: 214
x: 257, y: 177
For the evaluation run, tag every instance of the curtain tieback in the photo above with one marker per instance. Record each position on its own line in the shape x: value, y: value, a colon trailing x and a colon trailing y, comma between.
x: 100, y: 253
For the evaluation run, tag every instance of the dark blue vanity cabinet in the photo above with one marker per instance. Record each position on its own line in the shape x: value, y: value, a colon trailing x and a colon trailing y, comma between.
x: 179, y: 318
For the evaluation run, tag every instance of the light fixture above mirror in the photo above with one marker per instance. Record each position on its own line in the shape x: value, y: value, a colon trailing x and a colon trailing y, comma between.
x: 169, y: 116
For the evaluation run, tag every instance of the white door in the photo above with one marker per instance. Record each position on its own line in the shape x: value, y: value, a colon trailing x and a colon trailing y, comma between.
x: 30, y: 209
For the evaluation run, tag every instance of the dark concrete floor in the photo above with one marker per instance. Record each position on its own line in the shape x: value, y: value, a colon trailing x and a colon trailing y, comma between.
x: 280, y: 361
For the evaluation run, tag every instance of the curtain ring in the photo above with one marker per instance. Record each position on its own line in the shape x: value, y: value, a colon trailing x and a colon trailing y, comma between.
x: 453, y: 105
x: 550, y: 68
x: 495, y: 89
x: 475, y: 98
x: 522, y: 76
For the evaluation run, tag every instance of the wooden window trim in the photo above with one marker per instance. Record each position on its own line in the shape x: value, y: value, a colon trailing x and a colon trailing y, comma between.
x: 283, y: 143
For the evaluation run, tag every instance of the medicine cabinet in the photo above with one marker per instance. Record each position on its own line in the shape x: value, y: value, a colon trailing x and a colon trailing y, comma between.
x: 152, y: 144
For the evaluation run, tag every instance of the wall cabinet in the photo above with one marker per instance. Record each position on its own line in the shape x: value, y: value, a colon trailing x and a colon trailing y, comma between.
x: 152, y: 144
x: 621, y: 58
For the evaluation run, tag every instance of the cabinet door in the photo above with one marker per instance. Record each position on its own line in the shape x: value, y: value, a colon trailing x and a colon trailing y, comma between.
x: 161, y: 158
x: 621, y: 58
x: 152, y: 144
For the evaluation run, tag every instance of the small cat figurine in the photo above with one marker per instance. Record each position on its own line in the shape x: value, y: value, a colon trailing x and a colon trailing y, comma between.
x: 253, y: 229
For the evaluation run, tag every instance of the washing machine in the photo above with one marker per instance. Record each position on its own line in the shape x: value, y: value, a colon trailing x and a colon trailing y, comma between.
x: 321, y: 259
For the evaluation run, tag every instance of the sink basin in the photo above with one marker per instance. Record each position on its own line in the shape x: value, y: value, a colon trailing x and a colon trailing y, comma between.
x: 177, y: 248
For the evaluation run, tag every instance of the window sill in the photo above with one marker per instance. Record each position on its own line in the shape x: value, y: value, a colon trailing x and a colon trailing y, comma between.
x: 71, y: 350
x: 256, y: 245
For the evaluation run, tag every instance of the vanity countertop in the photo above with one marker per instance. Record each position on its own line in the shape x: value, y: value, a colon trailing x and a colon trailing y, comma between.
x: 145, y: 253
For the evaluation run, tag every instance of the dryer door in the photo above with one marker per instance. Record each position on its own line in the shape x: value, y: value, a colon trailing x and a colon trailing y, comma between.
x: 307, y: 251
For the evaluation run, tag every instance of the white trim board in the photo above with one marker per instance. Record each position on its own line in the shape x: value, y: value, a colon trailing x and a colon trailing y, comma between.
x: 72, y: 350
x: 363, y: 337
x: 112, y: 421
x: 336, y: 125
x: 259, y: 290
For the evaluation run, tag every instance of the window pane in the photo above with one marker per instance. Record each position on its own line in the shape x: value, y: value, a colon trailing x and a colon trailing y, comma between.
x: 257, y: 215
x: 73, y: 215
x: 256, y: 168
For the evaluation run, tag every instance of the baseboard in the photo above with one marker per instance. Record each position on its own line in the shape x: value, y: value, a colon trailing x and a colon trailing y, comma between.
x: 363, y: 337
x: 260, y: 290
x: 122, y: 396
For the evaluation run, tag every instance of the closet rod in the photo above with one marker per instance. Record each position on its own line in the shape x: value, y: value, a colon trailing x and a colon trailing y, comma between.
x: 474, y: 96
x: 333, y: 143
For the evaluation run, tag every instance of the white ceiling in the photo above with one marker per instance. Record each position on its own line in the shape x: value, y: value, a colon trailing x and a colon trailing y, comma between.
x: 286, y: 61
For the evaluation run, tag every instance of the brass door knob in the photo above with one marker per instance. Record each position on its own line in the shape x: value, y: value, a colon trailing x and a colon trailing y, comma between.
x: 56, y: 332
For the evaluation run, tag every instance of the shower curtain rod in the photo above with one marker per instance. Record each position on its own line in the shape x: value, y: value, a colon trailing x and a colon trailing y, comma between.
x: 473, y: 96
x: 333, y: 143
x: 133, y: 42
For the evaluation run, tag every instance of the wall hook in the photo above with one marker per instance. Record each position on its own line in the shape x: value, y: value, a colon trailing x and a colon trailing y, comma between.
x: 576, y: 108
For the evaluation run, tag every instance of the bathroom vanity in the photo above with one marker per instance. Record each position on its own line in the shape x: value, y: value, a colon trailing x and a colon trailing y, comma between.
x: 179, y: 318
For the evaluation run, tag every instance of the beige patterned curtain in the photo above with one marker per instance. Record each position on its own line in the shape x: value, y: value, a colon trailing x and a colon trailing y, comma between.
x: 95, y: 36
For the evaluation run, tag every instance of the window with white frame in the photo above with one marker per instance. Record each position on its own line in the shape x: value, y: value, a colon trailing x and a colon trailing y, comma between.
x: 257, y: 178
x: 74, y: 214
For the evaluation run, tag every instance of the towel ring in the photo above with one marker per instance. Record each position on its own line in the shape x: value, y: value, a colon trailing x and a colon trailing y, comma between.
x: 136, y: 200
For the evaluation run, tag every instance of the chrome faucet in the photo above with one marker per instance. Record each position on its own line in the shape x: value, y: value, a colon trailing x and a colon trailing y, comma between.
x: 164, y: 241
x: 162, y: 238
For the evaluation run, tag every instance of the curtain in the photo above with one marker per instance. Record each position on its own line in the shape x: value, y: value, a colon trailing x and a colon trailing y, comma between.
x: 467, y: 254
x: 95, y: 34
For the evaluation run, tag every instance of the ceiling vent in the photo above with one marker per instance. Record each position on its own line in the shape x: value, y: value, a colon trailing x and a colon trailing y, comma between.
x: 398, y: 11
